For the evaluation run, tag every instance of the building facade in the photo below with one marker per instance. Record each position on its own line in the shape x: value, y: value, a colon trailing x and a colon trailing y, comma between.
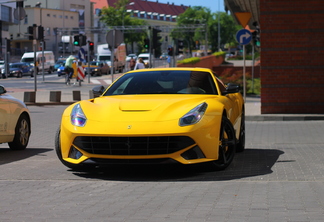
x: 58, y: 19
x: 292, y: 53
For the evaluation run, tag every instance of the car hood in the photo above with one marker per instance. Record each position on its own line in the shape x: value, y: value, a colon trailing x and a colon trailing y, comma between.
x: 141, y: 107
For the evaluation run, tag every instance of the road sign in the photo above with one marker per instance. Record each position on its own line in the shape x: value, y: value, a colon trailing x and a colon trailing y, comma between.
x: 243, y: 18
x: 82, y: 55
x: 243, y: 36
x: 119, y: 38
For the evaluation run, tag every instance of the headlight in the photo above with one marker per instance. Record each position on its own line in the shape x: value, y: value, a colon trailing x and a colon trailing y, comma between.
x: 77, y: 116
x: 194, y: 115
x: 58, y: 70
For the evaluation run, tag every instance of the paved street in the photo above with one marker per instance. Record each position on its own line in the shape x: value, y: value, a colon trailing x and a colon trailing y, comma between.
x: 279, y: 177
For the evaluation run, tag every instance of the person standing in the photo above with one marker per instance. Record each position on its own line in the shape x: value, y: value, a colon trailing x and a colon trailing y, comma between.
x: 132, y: 63
x: 139, y: 64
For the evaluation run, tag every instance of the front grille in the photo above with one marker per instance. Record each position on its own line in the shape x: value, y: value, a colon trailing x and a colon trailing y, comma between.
x: 132, y: 145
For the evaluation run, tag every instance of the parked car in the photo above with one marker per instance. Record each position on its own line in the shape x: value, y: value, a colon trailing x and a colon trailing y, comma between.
x: 15, y: 126
x: 19, y: 69
x: 97, y: 68
x: 161, y: 115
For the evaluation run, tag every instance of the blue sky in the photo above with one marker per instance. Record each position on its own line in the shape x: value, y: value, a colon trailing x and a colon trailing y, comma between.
x: 213, y: 5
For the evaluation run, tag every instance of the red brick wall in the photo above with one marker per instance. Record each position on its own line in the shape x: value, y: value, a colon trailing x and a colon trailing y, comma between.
x: 292, y: 56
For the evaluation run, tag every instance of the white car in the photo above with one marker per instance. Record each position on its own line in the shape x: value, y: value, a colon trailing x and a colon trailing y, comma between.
x: 14, y: 121
x: 146, y: 59
x: 128, y: 58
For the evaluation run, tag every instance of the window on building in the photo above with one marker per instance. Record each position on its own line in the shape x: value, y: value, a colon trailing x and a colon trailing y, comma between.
x: 6, y: 13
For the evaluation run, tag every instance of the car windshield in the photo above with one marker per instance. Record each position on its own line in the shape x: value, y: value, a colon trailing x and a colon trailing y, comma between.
x: 164, y: 82
x: 145, y: 58
x: 29, y: 60
x: 94, y: 63
x: 15, y: 66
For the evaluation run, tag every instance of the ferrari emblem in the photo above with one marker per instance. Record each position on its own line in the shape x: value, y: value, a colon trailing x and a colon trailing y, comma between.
x: 129, y: 126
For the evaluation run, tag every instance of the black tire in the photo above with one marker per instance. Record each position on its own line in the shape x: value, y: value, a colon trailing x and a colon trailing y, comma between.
x: 19, y: 75
x: 22, y: 133
x: 227, y: 145
x: 59, y: 153
x: 240, y: 146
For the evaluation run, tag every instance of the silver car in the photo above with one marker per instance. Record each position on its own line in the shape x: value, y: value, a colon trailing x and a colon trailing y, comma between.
x: 15, y: 126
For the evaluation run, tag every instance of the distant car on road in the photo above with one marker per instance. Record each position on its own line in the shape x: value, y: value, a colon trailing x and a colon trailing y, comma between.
x: 130, y: 56
x: 59, y: 63
x: 164, y: 56
x: 14, y: 121
x: 97, y: 68
x: 19, y: 69
x: 146, y: 59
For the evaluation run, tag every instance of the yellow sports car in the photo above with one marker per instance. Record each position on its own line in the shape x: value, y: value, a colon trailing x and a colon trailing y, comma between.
x: 169, y: 115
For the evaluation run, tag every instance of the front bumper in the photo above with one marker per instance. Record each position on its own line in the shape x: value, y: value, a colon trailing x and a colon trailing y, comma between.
x: 185, y: 145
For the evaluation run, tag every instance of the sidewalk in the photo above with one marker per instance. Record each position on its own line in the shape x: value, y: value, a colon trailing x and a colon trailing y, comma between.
x: 252, y: 103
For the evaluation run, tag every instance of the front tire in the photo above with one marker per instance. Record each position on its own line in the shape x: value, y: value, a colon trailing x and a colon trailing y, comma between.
x: 241, y: 143
x: 226, y: 146
x: 22, y: 133
x: 59, y: 153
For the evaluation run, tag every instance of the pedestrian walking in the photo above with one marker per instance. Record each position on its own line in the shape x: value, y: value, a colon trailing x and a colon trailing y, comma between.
x: 139, y: 64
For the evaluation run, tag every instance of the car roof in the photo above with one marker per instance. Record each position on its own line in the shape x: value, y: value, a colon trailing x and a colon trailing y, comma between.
x: 174, y: 69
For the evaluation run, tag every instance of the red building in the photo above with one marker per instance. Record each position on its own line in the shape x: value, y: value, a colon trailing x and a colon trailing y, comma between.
x: 292, y: 53
x: 148, y: 9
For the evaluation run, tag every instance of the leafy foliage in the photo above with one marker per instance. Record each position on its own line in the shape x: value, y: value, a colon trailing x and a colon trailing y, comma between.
x: 191, y: 60
x: 117, y: 16
x: 201, y: 15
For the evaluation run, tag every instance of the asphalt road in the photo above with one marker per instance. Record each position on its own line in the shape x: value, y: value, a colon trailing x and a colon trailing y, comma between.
x: 279, y: 177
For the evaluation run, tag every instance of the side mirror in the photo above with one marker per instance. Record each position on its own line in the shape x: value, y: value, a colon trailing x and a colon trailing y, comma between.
x: 97, y: 91
x: 231, y: 88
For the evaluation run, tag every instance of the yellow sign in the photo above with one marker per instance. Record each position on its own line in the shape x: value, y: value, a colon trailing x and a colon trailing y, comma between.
x: 243, y: 18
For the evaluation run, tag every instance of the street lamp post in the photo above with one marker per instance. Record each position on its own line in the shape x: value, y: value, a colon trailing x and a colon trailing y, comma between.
x: 131, y: 3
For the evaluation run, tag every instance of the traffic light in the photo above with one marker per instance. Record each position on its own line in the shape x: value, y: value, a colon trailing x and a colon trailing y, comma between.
x: 146, y: 43
x: 76, y: 41
x: 30, y: 32
x: 179, y: 47
x: 170, y: 51
x: 91, y: 46
x: 80, y: 40
x: 40, y: 33
x: 83, y: 40
x: 256, y: 35
x: 156, y: 38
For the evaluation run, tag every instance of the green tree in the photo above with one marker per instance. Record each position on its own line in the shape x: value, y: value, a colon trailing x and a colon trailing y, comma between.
x: 117, y: 16
x: 228, y: 29
x: 201, y: 15
x: 192, y: 16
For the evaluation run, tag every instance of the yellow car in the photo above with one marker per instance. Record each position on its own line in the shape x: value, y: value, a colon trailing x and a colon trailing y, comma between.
x: 169, y: 115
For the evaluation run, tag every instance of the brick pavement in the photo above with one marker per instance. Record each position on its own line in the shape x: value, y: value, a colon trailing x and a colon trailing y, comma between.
x: 278, y: 178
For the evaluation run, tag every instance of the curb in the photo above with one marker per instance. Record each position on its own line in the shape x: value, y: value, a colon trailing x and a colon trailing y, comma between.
x: 284, y: 118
